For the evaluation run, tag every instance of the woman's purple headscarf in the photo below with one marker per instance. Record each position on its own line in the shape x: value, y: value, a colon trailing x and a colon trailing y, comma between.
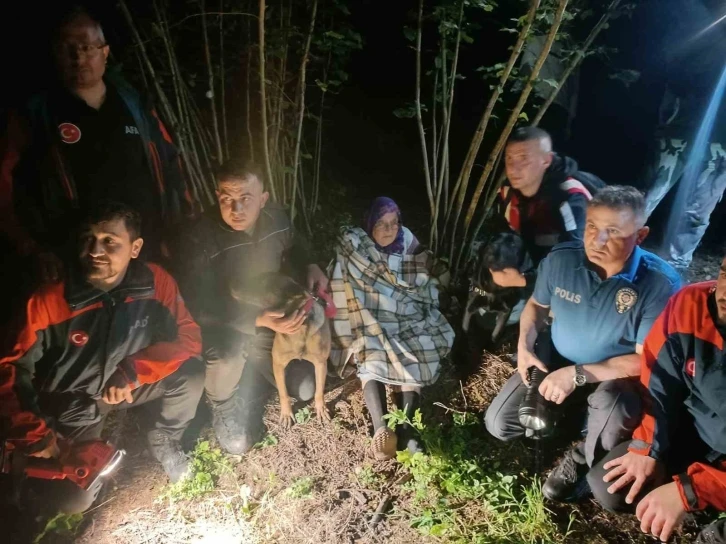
x: 380, y: 207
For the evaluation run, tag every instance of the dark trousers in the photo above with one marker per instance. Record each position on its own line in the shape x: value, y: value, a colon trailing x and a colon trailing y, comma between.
x: 612, y: 408
x: 170, y: 405
x: 684, y: 453
x: 242, y: 374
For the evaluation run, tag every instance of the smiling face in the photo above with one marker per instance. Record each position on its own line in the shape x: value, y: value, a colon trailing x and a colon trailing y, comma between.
x: 241, y: 201
x: 386, y: 229
x: 721, y: 294
x: 611, y: 236
x: 105, y: 251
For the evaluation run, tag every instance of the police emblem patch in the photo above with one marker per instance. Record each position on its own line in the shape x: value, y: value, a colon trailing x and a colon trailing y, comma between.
x: 625, y: 299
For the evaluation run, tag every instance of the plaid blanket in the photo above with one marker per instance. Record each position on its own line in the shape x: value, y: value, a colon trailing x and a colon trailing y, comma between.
x: 388, y: 321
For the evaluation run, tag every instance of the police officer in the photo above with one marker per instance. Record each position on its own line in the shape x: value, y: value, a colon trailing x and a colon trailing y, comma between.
x: 605, y: 294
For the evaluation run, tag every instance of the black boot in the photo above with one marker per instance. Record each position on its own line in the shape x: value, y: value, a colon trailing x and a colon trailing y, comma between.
x: 713, y: 534
x: 384, y: 439
x: 231, y: 435
x: 409, y: 402
x: 169, y: 453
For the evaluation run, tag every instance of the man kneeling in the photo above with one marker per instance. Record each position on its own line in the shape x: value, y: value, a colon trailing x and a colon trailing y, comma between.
x: 676, y: 462
x: 604, y: 296
x: 113, y: 335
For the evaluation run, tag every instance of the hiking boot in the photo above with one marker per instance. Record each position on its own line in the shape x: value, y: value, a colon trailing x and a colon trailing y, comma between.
x: 715, y: 533
x: 384, y: 444
x: 169, y: 453
x: 230, y: 434
x: 567, y: 482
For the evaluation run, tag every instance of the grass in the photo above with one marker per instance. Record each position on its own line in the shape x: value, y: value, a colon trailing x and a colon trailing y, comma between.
x: 59, y: 526
x: 207, y: 464
x: 461, y: 494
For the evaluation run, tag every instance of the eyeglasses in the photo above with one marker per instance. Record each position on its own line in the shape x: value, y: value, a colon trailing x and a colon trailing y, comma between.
x: 71, y: 50
x: 386, y: 226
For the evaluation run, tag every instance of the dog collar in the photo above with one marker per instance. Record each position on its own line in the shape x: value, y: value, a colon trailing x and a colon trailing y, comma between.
x: 322, y: 298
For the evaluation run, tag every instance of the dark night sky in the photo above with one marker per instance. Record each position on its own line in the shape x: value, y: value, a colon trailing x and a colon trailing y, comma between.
x: 369, y: 149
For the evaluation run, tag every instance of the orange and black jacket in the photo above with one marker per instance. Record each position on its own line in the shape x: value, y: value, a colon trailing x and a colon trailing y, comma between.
x: 75, y: 337
x: 684, y: 367
x: 37, y: 189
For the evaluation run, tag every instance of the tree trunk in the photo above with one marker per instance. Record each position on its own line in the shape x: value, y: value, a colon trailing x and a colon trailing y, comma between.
x: 419, y: 116
x: 263, y: 101
x: 210, y: 73
x: 462, y: 182
x: 301, y: 107
x: 222, y: 82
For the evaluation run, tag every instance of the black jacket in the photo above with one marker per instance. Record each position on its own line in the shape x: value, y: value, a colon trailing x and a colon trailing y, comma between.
x: 212, y: 258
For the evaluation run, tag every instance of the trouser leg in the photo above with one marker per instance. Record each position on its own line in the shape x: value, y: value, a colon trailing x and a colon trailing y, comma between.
x: 170, y: 403
x: 225, y: 360
x: 502, y: 416
x: 408, y: 399
x: 666, y: 170
x: 374, y: 394
x: 614, y: 411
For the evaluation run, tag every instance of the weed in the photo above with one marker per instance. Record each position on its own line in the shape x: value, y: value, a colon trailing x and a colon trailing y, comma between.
x: 301, y: 488
x: 367, y: 477
x: 269, y: 440
x: 62, y: 525
x: 206, y: 465
x: 459, y: 493
x: 303, y: 415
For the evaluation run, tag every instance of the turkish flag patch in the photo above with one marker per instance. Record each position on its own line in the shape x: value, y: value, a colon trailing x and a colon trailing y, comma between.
x: 69, y: 133
x: 78, y: 338
x: 691, y: 368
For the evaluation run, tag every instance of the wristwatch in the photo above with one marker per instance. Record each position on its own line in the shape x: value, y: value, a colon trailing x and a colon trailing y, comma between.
x: 580, y: 379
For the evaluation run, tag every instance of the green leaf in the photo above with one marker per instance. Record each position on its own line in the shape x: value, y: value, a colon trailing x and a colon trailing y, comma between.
x: 335, y: 35
x: 410, y: 33
x: 524, y: 117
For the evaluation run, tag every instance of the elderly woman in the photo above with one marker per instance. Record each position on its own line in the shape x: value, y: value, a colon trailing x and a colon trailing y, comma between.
x: 388, y: 323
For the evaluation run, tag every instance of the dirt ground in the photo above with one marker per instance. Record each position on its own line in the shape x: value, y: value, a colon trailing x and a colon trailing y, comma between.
x: 346, y: 487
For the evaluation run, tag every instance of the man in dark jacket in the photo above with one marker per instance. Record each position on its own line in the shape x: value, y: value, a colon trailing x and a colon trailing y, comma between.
x: 87, y: 139
x: 544, y: 202
x: 231, y: 247
x: 676, y: 462
x: 114, y: 334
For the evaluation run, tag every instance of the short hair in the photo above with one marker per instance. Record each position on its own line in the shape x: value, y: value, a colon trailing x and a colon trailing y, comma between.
x: 527, y: 134
x: 621, y: 197
x: 239, y: 169
x: 73, y: 13
x: 110, y: 210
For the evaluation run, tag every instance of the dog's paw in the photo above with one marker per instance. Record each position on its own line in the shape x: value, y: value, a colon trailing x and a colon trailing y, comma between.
x: 286, y: 420
x: 323, y: 414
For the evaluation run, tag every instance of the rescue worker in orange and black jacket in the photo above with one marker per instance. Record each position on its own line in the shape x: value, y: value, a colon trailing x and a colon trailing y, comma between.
x: 114, y: 334
x: 676, y: 462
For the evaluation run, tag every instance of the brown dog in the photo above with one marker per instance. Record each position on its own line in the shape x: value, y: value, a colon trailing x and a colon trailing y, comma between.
x: 311, y: 342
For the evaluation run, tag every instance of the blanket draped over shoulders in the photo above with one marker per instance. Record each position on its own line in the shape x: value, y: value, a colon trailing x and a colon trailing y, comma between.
x: 388, y: 321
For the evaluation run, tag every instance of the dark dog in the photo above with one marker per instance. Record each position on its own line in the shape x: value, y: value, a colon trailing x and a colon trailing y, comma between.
x: 504, y: 250
x: 277, y: 292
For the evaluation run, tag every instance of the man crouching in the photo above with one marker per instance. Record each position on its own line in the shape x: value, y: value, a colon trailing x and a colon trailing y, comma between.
x: 605, y: 295
x: 113, y: 335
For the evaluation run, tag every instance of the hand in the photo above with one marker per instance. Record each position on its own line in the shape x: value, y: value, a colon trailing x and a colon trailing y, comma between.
x: 117, y: 389
x: 317, y: 277
x: 51, y: 451
x: 661, y: 511
x: 277, y: 321
x: 50, y: 267
x: 525, y: 360
x: 631, y: 467
x: 509, y: 277
x: 558, y: 385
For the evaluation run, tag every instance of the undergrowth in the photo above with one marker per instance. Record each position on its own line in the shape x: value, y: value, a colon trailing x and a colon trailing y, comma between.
x: 60, y: 525
x: 207, y: 464
x: 460, y: 493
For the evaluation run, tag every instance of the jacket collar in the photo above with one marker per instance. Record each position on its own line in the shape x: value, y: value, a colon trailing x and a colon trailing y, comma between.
x: 138, y: 283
